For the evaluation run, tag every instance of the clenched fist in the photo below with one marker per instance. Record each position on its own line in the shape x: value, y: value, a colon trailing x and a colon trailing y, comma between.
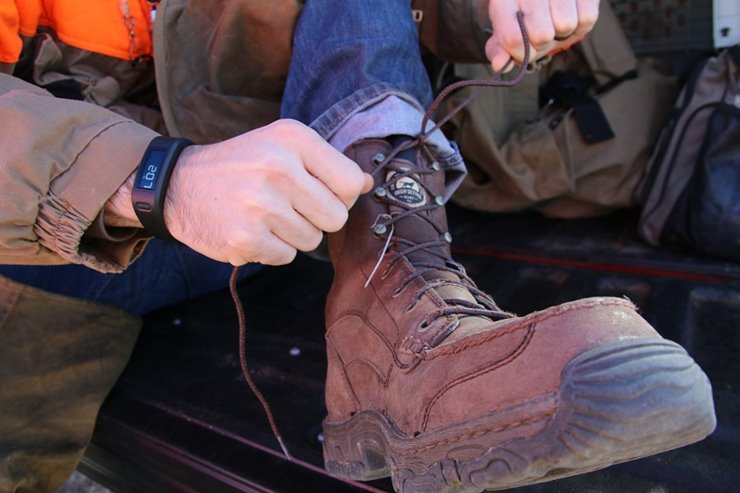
x: 551, y: 25
x: 263, y: 195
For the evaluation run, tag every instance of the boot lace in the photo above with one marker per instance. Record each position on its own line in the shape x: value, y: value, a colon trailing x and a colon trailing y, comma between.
x: 485, y: 305
x: 397, y: 247
x: 400, y: 247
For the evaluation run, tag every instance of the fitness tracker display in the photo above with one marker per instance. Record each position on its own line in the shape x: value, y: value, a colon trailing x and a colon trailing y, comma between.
x: 150, y: 183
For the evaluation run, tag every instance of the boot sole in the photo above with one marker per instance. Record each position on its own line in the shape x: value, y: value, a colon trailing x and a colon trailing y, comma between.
x: 616, y: 402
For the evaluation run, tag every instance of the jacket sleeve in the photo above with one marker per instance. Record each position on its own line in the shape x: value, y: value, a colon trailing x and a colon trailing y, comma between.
x: 60, y: 161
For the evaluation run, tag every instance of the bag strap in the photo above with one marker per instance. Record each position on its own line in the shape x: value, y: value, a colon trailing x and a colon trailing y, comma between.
x: 571, y: 90
x: 629, y: 75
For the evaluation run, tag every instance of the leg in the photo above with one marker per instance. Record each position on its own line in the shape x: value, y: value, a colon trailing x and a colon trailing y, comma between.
x: 347, y: 55
x: 167, y: 273
x: 61, y: 356
x: 428, y: 380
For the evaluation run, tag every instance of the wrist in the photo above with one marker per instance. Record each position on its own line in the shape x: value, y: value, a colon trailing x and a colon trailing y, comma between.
x: 118, y: 211
x: 178, y: 194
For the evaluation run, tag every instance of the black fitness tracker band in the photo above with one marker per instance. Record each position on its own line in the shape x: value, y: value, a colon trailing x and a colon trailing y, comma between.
x: 150, y: 184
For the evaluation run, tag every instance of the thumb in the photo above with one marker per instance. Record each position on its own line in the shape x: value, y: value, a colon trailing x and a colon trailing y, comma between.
x: 499, y: 56
x: 368, y: 183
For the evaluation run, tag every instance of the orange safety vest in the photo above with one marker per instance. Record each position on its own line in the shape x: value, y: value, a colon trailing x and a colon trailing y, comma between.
x: 118, y: 28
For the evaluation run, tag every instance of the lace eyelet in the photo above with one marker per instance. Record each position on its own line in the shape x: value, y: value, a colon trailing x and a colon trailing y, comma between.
x: 410, y: 307
x: 379, y: 230
x: 424, y: 325
x: 379, y: 193
x: 397, y: 292
x: 378, y: 158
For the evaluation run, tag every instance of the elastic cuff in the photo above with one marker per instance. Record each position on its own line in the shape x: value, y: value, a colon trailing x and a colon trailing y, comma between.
x: 61, y: 228
x: 77, y: 196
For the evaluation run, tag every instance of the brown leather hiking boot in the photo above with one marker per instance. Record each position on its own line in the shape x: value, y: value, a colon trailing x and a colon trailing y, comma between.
x: 431, y: 383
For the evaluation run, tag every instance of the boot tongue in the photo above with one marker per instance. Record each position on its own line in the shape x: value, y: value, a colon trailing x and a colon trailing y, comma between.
x: 423, y: 226
x: 414, y: 191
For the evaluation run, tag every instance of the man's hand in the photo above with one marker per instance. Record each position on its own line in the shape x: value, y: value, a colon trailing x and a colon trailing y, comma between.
x: 552, y: 25
x: 263, y: 195
x: 258, y: 197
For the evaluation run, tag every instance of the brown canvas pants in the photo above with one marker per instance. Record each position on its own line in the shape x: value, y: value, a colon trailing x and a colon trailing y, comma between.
x: 59, y: 358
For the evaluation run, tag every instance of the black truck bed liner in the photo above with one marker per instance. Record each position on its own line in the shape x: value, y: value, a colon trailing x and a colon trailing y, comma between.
x: 182, y: 419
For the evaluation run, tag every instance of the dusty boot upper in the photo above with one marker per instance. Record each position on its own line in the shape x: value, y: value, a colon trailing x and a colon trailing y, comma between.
x: 429, y: 380
x: 406, y: 211
x: 418, y: 305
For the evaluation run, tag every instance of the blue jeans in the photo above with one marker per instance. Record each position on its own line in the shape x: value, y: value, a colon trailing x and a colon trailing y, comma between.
x: 167, y: 273
x: 349, y: 54
x: 354, y: 61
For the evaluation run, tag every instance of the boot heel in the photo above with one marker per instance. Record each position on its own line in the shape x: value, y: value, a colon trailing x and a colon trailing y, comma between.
x: 356, y: 449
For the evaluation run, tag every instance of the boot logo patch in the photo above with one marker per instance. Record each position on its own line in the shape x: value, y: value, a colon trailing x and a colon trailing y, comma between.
x: 407, y: 190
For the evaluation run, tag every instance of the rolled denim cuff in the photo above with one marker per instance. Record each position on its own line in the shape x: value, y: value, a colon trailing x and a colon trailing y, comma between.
x: 380, y: 111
